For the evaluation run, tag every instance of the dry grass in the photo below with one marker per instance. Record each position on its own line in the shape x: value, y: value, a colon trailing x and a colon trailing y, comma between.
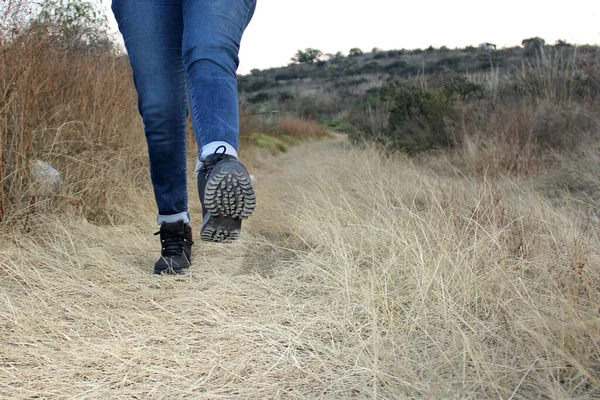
x: 296, y: 128
x: 360, y: 276
x: 76, y: 111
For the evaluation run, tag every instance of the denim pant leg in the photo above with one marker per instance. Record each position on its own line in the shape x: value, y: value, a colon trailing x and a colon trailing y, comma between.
x: 211, y: 40
x: 153, y: 32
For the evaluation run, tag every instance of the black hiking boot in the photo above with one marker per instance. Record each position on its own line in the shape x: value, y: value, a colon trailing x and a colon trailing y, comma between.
x: 226, y: 195
x: 176, y: 248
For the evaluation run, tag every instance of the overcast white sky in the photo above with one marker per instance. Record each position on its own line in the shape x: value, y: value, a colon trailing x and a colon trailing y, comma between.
x: 281, y: 27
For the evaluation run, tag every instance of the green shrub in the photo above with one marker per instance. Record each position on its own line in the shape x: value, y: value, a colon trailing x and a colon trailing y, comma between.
x: 341, y: 125
x: 417, y: 118
x: 396, y: 66
x: 355, y: 52
x: 271, y: 143
x: 414, y: 109
x: 533, y: 43
x: 286, y: 75
x: 285, y: 96
x: 370, y: 67
x: 451, y: 62
x: 460, y: 88
x: 394, y: 53
x: 261, y: 97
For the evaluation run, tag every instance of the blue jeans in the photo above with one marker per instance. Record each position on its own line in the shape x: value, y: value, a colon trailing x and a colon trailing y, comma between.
x: 180, y: 51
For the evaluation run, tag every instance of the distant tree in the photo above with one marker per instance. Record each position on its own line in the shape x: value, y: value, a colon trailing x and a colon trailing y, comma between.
x: 533, y: 43
x: 375, y: 50
x: 562, y: 43
x: 308, y: 56
x: 430, y: 49
x: 355, y: 52
x: 75, y: 24
x: 335, y: 57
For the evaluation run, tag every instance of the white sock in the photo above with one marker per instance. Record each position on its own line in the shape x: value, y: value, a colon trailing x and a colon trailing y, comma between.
x: 210, y: 149
x: 168, y: 219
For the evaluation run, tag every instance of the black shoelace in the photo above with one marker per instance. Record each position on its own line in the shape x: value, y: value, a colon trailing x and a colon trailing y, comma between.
x: 212, y: 160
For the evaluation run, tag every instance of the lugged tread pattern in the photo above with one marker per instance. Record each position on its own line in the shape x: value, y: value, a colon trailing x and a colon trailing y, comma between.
x: 228, y: 198
x: 215, y: 231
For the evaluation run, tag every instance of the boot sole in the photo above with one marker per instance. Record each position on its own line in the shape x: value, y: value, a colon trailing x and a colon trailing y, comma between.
x: 228, y: 198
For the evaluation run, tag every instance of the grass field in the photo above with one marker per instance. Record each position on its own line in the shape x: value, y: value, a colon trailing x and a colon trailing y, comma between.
x: 359, y: 276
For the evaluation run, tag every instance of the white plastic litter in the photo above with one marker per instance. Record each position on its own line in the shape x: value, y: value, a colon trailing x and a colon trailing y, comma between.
x: 45, y: 173
x: 252, y: 178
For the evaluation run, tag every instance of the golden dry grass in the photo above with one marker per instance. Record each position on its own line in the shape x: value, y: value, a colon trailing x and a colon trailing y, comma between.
x: 359, y: 276
x: 297, y: 128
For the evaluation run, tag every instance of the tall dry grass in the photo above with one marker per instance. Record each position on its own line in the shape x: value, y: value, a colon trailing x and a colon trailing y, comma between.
x: 514, y: 123
x: 73, y: 109
x: 360, y: 276
x: 550, y: 107
x: 77, y: 110
x: 451, y: 286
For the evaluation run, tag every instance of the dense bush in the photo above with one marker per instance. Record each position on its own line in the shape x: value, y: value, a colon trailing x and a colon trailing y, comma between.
x: 416, y: 121
x: 370, y: 67
x: 460, y: 88
x: 396, y: 66
x: 260, y: 97
x: 416, y: 117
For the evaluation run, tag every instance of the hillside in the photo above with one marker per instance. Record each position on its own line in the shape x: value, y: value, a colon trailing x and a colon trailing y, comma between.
x: 330, y: 88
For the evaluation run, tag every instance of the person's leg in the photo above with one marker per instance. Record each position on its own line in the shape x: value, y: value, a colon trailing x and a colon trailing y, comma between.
x: 153, y: 32
x: 211, y: 40
x: 212, y: 33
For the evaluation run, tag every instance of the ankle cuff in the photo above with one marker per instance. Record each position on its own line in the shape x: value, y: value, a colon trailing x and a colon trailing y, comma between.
x: 210, y: 149
x: 169, y: 219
